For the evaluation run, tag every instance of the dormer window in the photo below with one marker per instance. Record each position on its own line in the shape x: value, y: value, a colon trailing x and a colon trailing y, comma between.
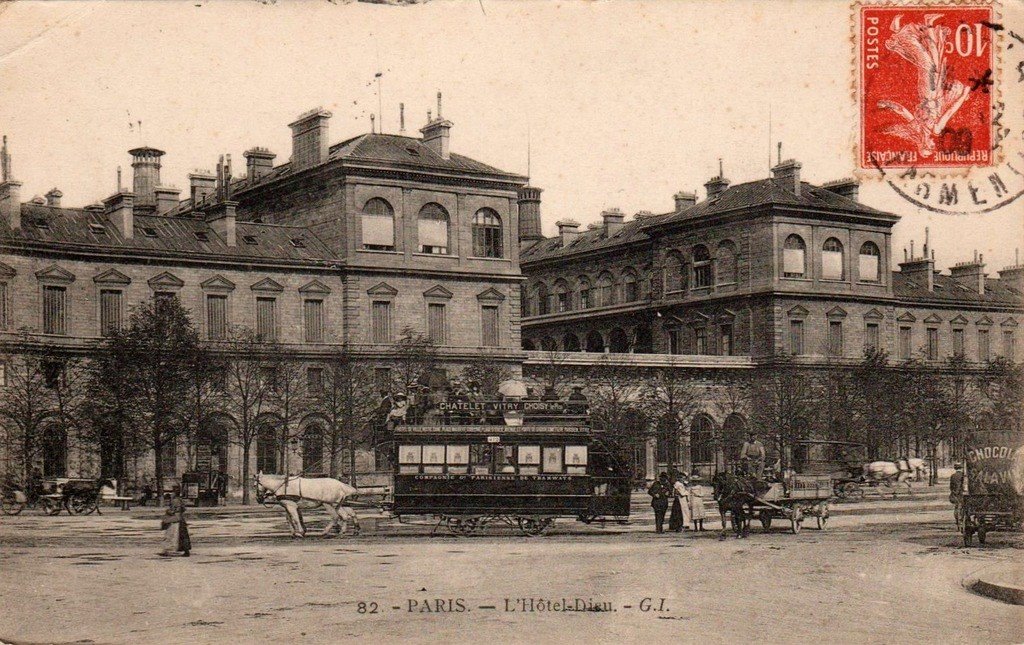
x: 97, y: 229
x: 250, y: 240
x: 149, y: 231
x: 298, y: 242
x: 413, y: 151
x: 41, y: 224
x: 201, y: 236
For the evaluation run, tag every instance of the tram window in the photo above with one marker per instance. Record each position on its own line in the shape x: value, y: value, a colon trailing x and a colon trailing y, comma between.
x: 552, y: 459
x: 433, y: 459
x: 480, y: 459
x: 458, y: 459
x: 576, y: 460
x: 409, y: 459
x: 529, y: 460
x: 504, y: 460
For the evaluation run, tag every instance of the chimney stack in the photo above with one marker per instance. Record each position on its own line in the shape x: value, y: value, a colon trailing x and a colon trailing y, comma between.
x: 401, y: 118
x: 53, y: 197
x: 202, y: 183
x: 847, y: 187
x: 1014, y: 275
x: 120, y: 208
x: 529, y: 214
x: 436, y: 133
x: 310, y: 144
x: 568, y: 230
x: 10, y: 203
x: 146, y: 164
x: 684, y: 200
x: 919, y: 268
x: 787, y: 174
x: 258, y: 163
x: 613, y: 219
x: 971, y: 274
x: 166, y: 198
x: 221, y: 218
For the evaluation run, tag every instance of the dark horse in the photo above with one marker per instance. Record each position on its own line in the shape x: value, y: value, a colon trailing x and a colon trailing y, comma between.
x: 737, y: 495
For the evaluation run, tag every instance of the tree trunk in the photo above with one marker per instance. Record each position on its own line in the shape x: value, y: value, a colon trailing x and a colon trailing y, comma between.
x: 352, y: 462
x: 159, y: 467
x: 245, y: 474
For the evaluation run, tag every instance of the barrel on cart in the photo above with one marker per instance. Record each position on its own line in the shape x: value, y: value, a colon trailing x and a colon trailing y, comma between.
x: 993, y: 497
x: 552, y: 465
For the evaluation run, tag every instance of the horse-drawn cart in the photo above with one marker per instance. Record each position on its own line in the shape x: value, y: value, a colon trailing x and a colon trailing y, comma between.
x: 794, y: 499
x: 993, y: 496
x: 78, y: 496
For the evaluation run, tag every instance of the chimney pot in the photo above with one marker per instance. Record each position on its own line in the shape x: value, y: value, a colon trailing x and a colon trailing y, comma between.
x: 310, y: 144
x: 259, y: 162
x: 568, y: 230
x: 613, y: 219
x: 529, y: 214
x: 847, y: 187
x: 716, y: 186
x: 787, y: 173
x: 53, y: 197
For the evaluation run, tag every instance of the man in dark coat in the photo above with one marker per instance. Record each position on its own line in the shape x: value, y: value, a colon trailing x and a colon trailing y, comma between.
x: 660, y: 492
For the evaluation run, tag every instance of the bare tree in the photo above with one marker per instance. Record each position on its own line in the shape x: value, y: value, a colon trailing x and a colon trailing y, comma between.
x: 616, y: 409
x: 349, y: 403
x: 783, y: 401
x: 26, y: 404
x: 487, y: 375
x: 414, y: 358
x: 670, y: 397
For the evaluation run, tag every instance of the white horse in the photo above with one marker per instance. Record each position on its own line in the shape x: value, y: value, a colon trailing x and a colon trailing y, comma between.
x: 290, y: 491
x: 895, y: 472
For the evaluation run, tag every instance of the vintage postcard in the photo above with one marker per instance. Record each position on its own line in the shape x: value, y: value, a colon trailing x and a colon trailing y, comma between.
x: 417, y: 321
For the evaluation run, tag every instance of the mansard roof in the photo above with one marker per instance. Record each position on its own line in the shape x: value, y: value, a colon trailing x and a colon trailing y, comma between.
x: 912, y: 288
x: 76, y: 228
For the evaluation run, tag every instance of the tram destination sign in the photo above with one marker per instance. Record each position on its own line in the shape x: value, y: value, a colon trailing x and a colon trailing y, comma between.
x: 526, y: 407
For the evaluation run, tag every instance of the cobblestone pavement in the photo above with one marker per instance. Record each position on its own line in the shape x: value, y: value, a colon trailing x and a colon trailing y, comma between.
x: 883, y: 571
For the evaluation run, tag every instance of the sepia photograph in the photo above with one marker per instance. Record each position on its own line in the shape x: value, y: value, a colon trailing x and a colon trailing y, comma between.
x: 542, y: 321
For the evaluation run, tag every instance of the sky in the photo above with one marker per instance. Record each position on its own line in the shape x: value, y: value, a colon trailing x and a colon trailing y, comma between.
x: 615, y: 104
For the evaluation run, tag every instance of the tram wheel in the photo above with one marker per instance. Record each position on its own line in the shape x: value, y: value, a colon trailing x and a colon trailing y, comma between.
x: 534, y: 526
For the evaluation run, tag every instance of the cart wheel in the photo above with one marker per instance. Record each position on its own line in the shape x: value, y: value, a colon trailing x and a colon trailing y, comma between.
x: 982, y: 534
x: 11, y: 506
x: 79, y: 505
x: 50, y: 506
x: 851, y: 490
x: 534, y: 526
x: 766, y: 520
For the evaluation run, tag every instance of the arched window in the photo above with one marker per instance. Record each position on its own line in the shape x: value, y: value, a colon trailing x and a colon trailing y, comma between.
x: 630, y: 286
x: 548, y: 344
x: 563, y: 296
x: 832, y: 260
x: 211, y: 448
x: 793, y: 260
x: 595, y: 342
x: 542, y: 299
x: 586, y: 293
x: 571, y: 342
x: 728, y: 269
x: 433, y: 229
x: 266, y: 448
x: 378, y: 220
x: 676, y: 272
x: 487, y: 238
x: 618, y: 341
x: 703, y: 272
x: 54, y: 452
x: 605, y: 290
x: 528, y: 345
x: 869, y: 262
x: 702, y: 440
x: 313, y: 450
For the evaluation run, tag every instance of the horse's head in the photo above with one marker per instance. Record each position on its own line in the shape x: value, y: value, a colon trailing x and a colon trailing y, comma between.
x: 261, y: 490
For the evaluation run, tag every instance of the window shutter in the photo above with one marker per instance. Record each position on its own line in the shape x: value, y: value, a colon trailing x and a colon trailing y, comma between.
x: 793, y: 261
x: 433, y: 233
x: 54, y: 310
x: 110, y: 311
x: 381, y: 322
x: 490, y: 326
x: 832, y: 265
x: 378, y: 231
x: 313, y: 316
x: 868, y: 267
x: 266, y: 323
x: 436, y: 324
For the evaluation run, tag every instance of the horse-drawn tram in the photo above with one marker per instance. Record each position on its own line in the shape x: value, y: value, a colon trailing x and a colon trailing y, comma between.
x: 993, y: 495
x: 494, y: 469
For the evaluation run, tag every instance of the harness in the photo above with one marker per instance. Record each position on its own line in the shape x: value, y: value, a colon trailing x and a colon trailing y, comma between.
x: 284, y: 484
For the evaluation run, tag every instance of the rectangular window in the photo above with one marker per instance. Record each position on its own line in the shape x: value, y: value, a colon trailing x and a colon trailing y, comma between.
x: 216, y: 316
x: 55, y: 310
x: 4, y: 322
x: 1009, y: 344
x: 933, y: 344
x: 983, y: 348
x: 111, y: 306
x: 457, y: 458
x: 490, y: 325
x: 793, y: 263
x: 835, y: 338
x: 315, y: 380
x: 726, y: 340
x: 832, y: 265
x: 905, y: 343
x: 576, y: 460
x: 266, y: 319
x: 702, y: 275
x: 380, y: 321
x: 585, y: 298
x: 378, y: 232
x: 3, y: 374
x: 313, y: 320
x: 958, y: 342
x: 632, y: 291
x: 796, y: 337
x: 437, y: 325
x: 700, y: 340
x: 487, y: 241
x: 868, y: 267
x: 382, y: 378
x: 675, y: 341
x: 871, y: 340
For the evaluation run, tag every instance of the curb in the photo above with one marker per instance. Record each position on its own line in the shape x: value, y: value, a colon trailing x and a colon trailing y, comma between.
x: 987, y: 583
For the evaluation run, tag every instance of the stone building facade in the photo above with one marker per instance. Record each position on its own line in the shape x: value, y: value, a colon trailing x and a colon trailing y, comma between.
x: 343, y: 248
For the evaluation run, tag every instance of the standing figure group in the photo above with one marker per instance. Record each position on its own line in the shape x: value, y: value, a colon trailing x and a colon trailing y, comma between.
x: 687, y: 502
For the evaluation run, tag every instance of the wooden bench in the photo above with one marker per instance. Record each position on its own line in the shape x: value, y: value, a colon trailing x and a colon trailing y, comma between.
x: 120, y: 500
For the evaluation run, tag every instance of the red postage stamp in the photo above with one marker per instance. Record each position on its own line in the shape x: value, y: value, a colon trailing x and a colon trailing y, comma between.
x: 926, y: 78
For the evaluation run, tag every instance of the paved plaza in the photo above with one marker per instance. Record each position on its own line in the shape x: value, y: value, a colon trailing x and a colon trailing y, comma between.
x: 883, y: 571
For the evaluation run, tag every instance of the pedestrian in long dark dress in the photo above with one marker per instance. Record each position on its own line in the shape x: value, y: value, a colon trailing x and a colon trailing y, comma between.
x: 176, y: 537
x: 677, y: 519
x: 659, y: 492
